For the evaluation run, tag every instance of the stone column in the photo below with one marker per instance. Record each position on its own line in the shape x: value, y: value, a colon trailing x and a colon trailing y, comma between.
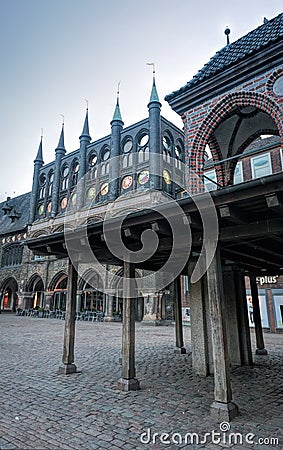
x: 260, y: 347
x: 109, y: 300
x: 178, y: 317
x: 128, y: 382
x: 243, y: 320
x: 223, y: 406
x: 69, y: 333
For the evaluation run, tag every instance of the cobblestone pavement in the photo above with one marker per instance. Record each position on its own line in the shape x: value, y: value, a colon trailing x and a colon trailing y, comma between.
x: 40, y: 409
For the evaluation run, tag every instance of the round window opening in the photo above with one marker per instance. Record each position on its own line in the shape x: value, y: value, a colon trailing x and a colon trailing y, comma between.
x: 65, y: 172
x: 104, y: 189
x: 106, y: 155
x: 143, y: 177
x: 93, y: 160
x: 64, y: 202
x: 178, y: 151
x: 91, y: 193
x: 143, y: 140
x: 127, y: 182
x: 278, y: 86
x: 166, y: 142
x: 128, y: 146
x: 42, y: 180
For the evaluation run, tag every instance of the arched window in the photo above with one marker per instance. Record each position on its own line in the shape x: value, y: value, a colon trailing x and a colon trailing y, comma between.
x: 75, y: 171
x: 12, y: 255
x: 143, y: 148
x: 105, y: 155
x: 42, y: 185
x: 50, y: 183
x: 65, y: 178
x: 127, y: 160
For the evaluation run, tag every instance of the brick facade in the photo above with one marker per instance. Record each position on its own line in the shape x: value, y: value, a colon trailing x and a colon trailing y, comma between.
x: 201, y: 121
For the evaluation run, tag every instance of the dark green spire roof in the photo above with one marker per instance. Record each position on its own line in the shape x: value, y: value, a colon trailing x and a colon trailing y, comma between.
x: 85, y: 132
x: 117, y: 112
x: 39, y: 156
x: 154, y: 96
x: 61, y: 144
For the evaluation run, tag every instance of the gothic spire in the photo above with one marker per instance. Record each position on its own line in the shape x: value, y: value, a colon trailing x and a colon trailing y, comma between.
x: 85, y: 132
x: 39, y: 156
x: 61, y: 145
x: 117, y: 112
x: 154, y: 95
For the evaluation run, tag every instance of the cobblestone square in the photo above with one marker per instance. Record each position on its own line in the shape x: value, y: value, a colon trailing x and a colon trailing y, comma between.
x: 43, y: 410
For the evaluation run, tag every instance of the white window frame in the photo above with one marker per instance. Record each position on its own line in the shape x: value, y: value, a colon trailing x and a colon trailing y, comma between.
x: 207, y: 183
x: 260, y: 156
x: 240, y: 165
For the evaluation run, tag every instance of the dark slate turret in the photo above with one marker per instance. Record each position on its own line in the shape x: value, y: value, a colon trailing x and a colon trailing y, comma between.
x: 38, y: 163
x: 59, y: 153
x: 114, y: 171
x: 84, y: 142
x: 154, y: 108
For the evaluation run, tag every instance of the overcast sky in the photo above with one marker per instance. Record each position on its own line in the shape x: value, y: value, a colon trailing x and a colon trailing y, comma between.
x: 56, y: 53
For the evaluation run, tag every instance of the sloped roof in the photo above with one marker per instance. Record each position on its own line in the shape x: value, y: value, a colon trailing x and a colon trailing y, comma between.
x: 252, y: 42
x: 20, y: 206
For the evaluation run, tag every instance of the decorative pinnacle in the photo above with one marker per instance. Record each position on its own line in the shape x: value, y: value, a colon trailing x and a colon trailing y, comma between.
x: 117, y: 113
x: 227, y: 32
x: 85, y: 132
x: 118, y: 92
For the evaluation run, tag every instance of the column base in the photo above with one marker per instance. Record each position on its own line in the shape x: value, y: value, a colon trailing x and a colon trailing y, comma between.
x: 126, y: 385
x: 108, y: 319
x: 180, y: 350
x: 261, y: 351
x: 67, y: 368
x: 224, y: 411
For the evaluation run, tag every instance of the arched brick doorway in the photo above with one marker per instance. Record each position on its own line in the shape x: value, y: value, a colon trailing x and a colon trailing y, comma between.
x: 58, y: 292
x: 231, y: 125
x: 91, y: 289
x: 35, y: 291
x: 9, y: 294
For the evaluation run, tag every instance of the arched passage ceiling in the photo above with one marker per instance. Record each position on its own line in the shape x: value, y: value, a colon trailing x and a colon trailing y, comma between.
x: 233, y: 132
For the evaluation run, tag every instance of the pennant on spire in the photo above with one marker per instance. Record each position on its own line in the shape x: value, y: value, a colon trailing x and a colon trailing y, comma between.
x: 117, y: 112
x: 154, y: 95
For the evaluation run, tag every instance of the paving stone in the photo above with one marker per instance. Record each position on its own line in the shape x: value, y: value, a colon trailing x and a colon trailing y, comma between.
x: 43, y: 410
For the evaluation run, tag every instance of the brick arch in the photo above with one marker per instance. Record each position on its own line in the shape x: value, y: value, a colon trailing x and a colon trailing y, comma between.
x: 217, y: 114
x: 34, y: 279
x: 57, y: 278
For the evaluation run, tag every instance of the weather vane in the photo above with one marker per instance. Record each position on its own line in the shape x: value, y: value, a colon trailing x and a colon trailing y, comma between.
x: 153, y: 67
x: 63, y: 117
x: 86, y: 100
